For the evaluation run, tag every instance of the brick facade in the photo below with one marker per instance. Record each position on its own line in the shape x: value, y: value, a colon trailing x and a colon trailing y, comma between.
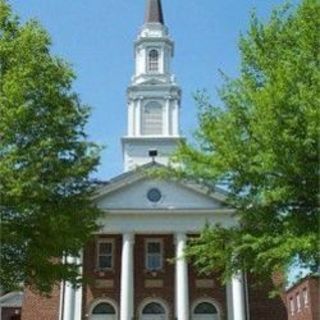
x: 262, y: 307
x: 200, y: 287
x: 36, y: 307
x: 150, y: 285
x: 303, y: 299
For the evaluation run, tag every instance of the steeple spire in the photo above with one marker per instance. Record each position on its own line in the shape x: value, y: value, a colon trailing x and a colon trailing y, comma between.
x: 154, y: 12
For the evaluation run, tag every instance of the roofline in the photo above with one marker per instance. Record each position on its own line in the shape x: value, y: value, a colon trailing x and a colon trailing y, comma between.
x: 300, y: 281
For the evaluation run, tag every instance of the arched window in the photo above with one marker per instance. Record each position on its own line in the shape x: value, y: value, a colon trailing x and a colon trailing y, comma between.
x: 153, y: 308
x: 205, y: 308
x: 104, y: 308
x: 152, y: 119
x: 153, y: 61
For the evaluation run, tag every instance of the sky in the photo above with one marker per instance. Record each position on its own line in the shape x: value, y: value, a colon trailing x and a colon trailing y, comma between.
x: 97, y: 37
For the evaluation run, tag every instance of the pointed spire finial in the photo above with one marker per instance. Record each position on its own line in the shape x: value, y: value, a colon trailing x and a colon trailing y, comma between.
x: 154, y: 12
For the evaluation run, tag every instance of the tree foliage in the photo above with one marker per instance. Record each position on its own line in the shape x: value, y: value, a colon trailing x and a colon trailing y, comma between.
x: 264, y: 143
x: 45, y: 160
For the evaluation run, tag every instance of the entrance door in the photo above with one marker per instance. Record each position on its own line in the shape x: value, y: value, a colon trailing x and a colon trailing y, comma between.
x: 205, y: 311
x: 103, y: 311
x: 153, y: 311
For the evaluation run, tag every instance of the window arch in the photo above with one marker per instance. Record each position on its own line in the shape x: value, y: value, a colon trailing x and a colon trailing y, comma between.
x: 153, y: 308
x: 152, y: 119
x: 153, y: 60
x: 205, y: 309
x: 104, y: 308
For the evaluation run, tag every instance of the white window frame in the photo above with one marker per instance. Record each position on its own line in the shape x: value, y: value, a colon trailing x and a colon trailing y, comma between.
x: 305, y: 296
x: 298, y: 301
x: 99, y: 241
x: 154, y: 240
x: 292, y: 306
x: 153, y: 66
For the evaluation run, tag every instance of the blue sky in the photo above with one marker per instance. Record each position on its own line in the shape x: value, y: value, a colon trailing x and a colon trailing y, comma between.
x: 97, y: 36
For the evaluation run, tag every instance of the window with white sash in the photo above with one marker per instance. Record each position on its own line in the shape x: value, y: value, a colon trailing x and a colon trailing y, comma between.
x: 105, y: 258
x: 305, y: 297
x: 154, y: 255
x: 292, y: 308
x: 153, y: 61
x: 298, y: 299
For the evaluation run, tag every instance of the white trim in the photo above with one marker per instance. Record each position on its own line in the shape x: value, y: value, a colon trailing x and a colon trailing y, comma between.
x: 140, y: 174
x: 305, y: 296
x: 9, y: 296
x: 153, y: 240
x: 98, y: 242
x: 169, y: 211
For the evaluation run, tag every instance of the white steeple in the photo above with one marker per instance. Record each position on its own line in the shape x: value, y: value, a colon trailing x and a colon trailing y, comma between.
x: 153, y: 95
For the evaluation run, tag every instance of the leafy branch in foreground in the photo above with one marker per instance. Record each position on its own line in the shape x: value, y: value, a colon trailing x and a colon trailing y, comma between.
x: 264, y: 143
x: 45, y: 160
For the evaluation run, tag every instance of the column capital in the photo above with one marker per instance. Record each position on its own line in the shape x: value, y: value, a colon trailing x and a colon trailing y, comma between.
x: 180, y: 236
x: 128, y: 237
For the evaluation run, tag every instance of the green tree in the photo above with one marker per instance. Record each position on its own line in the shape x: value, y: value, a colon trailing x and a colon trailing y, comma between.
x: 45, y: 160
x: 264, y: 144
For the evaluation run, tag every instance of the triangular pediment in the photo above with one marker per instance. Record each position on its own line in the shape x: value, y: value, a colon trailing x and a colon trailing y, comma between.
x: 12, y: 299
x: 132, y: 191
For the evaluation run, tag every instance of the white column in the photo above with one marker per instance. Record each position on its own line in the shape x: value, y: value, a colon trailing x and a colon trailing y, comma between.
x: 229, y: 300
x: 238, y: 297
x: 175, y: 118
x: 167, y: 117
x: 78, y: 291
x: 126, y: 294
x: 131, y: 118
x: 182, y: 284
x: 138, y: 117
x: 69, y: 297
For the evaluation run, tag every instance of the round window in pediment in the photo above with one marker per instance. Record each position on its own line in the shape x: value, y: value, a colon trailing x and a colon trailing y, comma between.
x: 154, y: 195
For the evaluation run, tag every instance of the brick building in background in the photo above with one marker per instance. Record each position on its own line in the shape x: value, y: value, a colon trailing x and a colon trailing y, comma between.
x: 303, y: 299
x: 10, y: 306
x: 147, y: 221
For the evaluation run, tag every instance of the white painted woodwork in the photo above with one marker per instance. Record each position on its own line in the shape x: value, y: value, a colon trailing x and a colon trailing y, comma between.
x: 69, y: 296
x: 78, y: 291
x: 182, y: 283
x: 127, y: 292
x: 238, y: 300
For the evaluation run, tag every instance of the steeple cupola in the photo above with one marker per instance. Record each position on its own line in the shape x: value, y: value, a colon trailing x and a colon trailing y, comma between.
x: 153, y: 95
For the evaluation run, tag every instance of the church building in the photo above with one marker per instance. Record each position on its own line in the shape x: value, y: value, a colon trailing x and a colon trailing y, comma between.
x: 135, y: 264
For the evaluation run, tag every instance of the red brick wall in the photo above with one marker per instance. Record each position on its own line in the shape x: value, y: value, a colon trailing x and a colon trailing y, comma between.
x: 36, y: 307
x: 216, y: 293
x: 141, y: 292
x: 262, y: 307
x: 309, y: 311
x: 91, y: 274
x: 314, y: 286
x: 10, y: 313
x: 165, y: 293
